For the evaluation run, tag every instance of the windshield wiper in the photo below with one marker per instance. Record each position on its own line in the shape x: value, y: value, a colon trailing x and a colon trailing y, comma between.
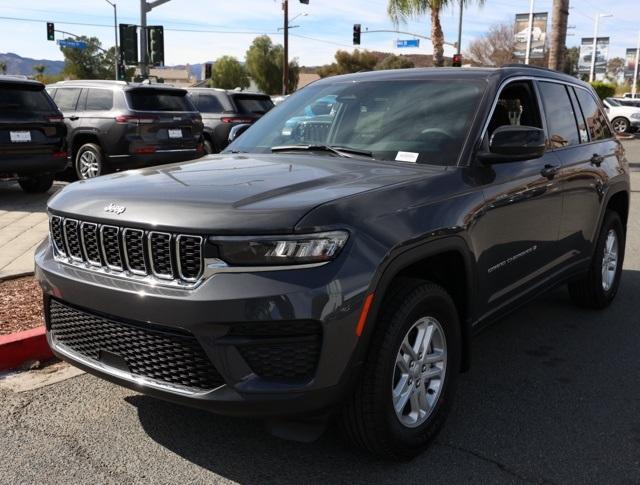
x: 338, y: 150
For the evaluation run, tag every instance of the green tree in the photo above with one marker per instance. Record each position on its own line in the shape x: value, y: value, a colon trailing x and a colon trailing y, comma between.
x: 228, y: 73
x: 264, y: 65
x: 3, y: 67
x: 394, y: 62
x: 89, y: 63
x: 571, y: 59
x: 348, y: 62
x: 604, y: 90
x: 39, y: 70
x: 615, y: 68
x: 401, y: 10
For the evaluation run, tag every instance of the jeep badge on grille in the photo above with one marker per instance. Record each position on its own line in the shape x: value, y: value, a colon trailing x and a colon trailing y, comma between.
x: 115, y: 209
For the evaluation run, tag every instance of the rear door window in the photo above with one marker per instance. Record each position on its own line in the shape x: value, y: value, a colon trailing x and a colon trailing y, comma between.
x: 561, y: 119
x: 208, y: 103
x: 582, y: 126
x: 99, y: 100
x: 67, y: 98
x: 596, y: 121
x: 20, y: 102
x: 152, y: 100
x: 253, y: 105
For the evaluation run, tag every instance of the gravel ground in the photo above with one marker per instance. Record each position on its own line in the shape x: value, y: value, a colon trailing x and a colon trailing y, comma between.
x: 20, y: 305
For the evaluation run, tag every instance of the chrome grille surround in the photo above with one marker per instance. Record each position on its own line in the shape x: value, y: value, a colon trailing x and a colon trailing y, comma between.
x: 150, y: 257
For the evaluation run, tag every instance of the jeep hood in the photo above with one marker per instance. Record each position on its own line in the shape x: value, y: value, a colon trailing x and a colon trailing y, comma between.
x: 225, y: 194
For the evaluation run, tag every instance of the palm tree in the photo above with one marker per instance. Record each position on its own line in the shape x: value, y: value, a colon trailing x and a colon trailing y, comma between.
x: 39, y: 70
x: 400, y: 10
x: 3, y: 67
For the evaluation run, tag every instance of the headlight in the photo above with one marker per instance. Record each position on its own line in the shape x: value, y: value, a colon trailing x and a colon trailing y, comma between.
x: 280, y: 250
x: 636, y: 116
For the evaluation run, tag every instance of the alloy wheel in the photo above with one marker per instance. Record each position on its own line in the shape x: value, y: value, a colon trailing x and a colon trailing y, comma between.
x: 610, y: 260
x: 418, y: 376
x: 620, y: 125
x: 89, y: 165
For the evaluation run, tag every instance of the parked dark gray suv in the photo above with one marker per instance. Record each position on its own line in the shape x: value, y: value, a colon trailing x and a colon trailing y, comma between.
x: 222, y: 110
x: 114, y: 125
x: 342, y: 269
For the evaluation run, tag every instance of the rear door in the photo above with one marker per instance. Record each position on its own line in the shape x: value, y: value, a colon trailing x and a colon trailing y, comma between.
x: 30, y: 123
x: 584, y: 173
x: 165, y: 118
x: 67, y: 100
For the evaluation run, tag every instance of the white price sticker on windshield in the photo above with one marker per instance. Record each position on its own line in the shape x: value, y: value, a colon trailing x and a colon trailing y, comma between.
x: 407, y: 157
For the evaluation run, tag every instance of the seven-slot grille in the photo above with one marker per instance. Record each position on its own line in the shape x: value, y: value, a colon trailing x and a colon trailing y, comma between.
x: 127, y: 250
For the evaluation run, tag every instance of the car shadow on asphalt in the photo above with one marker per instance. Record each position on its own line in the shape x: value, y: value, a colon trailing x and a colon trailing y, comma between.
x: 552, y: 395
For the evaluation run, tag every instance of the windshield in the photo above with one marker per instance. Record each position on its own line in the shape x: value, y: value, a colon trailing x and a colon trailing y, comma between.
x: 423, y: 121
x: 613, y: 102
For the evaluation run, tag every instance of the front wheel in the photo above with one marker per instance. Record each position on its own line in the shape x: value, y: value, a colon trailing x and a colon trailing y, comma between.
x: 89, y: 161
x: 621, y: 125
x: 409, y: 379
x: 598, y: 286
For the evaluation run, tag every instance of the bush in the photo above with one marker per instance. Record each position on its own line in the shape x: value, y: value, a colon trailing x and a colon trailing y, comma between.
x: 604, y: 90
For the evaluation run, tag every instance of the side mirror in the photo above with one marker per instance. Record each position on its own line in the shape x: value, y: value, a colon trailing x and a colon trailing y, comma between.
x: 237, y: 130
x: 514, y: 143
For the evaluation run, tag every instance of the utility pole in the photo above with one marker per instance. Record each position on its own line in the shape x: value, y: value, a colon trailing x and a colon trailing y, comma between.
x: 592, y: 71
x: 559, y: 21
x: 115, y: 31
x: 285, y: 58
x: 146, y: 7
x: 460, y: 28
x: 634, y: 88
x: 530, y: 30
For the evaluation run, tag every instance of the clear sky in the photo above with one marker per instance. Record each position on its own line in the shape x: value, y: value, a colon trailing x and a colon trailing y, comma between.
x: 189, y: 25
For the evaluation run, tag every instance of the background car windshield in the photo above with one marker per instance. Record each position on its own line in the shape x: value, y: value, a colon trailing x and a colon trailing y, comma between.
x: 150, y: 100
x: 423, y: 121
x: 22, y: 102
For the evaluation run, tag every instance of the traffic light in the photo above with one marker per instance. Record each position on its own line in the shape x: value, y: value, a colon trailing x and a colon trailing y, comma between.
x: 357, y: 30
x: 122, y: 71
x: 208, y: 70
x: 51, y: 31
x: 155, y: 45
x: 129, y: 44
x: 457, y: 60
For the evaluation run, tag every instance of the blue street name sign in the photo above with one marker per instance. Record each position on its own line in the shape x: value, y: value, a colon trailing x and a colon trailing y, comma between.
x: 407, y: 43
x: 76, y: 44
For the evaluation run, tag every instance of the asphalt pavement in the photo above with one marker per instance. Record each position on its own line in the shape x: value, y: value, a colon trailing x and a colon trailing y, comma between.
x: 553, y: 396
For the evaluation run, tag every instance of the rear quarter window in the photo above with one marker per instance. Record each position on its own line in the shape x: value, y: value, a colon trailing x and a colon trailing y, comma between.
x: 257, y: 105
x: 150, y: 100
x: 16, y: 101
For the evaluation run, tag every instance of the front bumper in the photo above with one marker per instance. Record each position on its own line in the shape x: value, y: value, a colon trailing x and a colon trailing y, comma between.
x: 211, y: 313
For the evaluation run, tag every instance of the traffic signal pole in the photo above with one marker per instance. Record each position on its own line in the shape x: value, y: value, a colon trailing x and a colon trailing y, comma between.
x: 146, y: 7
x: 115, y: 31
x: 285, y: 57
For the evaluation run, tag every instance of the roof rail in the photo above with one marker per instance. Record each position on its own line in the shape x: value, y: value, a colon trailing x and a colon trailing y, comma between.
x: 92, y: 81
x: 529, y: 66
x: 14, y: 76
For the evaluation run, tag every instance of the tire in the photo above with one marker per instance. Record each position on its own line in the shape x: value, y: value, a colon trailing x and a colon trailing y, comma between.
x: 37, y: 184
x: 621, y: 125
x: 597, y: 288
x: 208, y: 147
x: 370, y: 418
x: 89, y: 162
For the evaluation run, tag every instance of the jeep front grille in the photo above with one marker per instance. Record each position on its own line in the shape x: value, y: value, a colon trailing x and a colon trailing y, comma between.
x: 129, y: 252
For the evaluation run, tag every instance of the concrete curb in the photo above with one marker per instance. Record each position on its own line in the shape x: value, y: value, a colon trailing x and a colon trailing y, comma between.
x: 21, y: 347
x: 15, y: 276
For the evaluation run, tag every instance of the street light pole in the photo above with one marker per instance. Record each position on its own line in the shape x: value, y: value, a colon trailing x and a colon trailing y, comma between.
x: 592, y: 71
x: 115, y: 31
x: 285, y: 58
x: 460, y: 27
x: 634, y: 88
x: 530, y: 31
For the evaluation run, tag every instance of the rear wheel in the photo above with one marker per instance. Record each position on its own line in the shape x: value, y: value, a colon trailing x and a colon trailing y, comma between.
x: 621, y: 125
x: 409, y: 379
x: 208, y: 147
x: 37, y: 184
x: 89, y: 162
x: 598, y: 286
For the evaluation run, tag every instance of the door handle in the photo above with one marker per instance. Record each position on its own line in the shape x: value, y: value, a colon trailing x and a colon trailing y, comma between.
x: 73, y: 118
x: 550, y: 171
x: 597, y: 160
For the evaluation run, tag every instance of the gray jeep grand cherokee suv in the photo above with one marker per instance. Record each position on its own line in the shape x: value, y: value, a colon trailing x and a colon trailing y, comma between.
x: 342, y: 269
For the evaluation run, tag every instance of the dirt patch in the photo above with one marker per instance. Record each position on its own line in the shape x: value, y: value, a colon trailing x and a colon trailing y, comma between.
x: 20, y: 305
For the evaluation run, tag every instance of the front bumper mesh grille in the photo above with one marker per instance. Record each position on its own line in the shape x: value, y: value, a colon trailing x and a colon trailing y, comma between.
x: 150, y: 352
x: 133, y: 252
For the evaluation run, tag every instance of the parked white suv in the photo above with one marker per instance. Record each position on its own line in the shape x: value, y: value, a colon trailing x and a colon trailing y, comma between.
x: 623, y: 118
